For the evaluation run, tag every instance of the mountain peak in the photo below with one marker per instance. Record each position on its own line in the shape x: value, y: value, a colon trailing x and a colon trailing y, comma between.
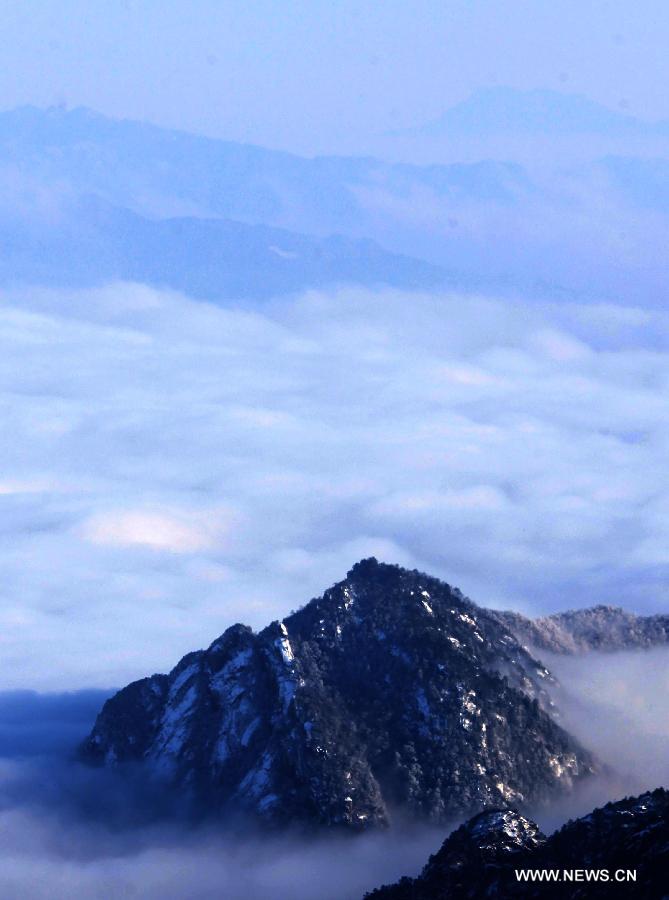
x: 390, y: 691
x: 365, y: 567
x: 503, y: 109
x: 491, y: 835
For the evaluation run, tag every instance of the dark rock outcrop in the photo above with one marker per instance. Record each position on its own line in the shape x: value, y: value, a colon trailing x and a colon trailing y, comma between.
x: 391, y: 692
x: 482, y: 857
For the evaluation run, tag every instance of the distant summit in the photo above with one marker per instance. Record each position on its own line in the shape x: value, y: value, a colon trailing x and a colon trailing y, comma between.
x: 501, y: 110
x: 392, y: 694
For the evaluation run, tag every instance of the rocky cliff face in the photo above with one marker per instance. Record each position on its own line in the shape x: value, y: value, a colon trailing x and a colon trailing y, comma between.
x: 390, y: 694
x: 481, y: 858
x: 578, y: 631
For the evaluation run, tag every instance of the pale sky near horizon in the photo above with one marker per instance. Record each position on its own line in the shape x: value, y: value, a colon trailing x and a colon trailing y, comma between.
x: 297, y: 74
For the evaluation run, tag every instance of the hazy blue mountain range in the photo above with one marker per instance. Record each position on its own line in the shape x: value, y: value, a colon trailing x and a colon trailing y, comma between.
x: 642, y: 182
x: 492, y: 225
x: 159, y: 171
x: 90, y: 243
x: 506, y: 109
x: 88, y: 199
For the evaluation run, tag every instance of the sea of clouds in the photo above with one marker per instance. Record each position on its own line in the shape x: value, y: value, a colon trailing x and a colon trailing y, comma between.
x: 46, y: 857
x: 169, y: 467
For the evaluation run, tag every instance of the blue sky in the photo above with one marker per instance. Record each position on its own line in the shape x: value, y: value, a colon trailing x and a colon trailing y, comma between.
x: 301, y: 75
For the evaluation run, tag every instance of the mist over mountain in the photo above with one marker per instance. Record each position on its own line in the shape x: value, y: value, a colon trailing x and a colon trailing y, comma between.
x: 617, y: 703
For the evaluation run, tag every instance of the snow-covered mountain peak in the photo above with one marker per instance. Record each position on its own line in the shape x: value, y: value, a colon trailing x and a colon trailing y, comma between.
x: 391, y: 691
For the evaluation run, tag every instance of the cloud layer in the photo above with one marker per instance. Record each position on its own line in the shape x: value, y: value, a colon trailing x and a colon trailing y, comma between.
x: 169, y: 468
x: 44, y: 859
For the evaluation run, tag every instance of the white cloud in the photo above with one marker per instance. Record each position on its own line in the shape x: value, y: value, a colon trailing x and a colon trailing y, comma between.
x: 559, y: 346
x: 478, y: 497
x: 126, y: 528
x: 176, y: 467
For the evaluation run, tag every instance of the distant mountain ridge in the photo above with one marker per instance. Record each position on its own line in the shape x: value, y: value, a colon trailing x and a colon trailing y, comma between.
x: 541, y: 110
x: 392, y: 694
x: 487, y: 224
x: 480, y: 859
x: 162, y: 172
x: 597, y: 628
x: 88, y: 198
x: 91, y: 243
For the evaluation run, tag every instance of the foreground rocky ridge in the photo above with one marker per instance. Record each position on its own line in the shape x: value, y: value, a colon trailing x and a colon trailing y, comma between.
x: 606, y: 628
x: 391, y: 692
x: 481, y: 858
